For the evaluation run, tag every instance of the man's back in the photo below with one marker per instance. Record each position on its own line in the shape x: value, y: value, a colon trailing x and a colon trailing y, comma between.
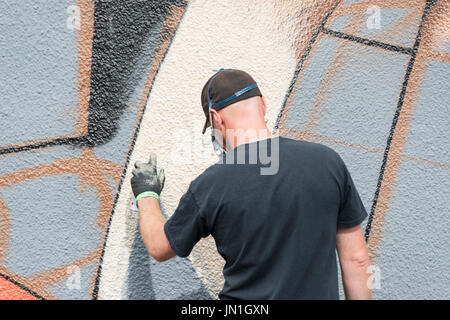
x: 277, y: 233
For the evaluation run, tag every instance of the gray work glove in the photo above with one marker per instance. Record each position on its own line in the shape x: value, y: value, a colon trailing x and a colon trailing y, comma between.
x: 146, y: 180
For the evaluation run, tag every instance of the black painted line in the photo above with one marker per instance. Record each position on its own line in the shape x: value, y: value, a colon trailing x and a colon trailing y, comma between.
x: 428, y: 5
x: 300, y: 66
x: 367, y: 42
x: 21, y: 286
x: 50, y: 143
x: 122, y: 179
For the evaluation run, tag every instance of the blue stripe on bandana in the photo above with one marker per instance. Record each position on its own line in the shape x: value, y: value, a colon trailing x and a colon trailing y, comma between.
x: 235, y: 95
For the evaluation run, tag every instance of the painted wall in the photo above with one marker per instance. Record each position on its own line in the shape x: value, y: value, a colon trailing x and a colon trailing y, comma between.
x: 89, y: 87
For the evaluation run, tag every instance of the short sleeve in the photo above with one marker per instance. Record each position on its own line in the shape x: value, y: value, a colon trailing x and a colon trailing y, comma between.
x: 352, y: 211
x: 186, y: 226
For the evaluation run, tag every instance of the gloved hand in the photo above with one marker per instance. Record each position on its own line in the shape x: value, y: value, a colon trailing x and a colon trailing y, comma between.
x: 146, y: 181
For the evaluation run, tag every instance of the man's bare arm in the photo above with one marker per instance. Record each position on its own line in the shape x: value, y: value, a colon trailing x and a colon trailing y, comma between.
x: 354, y: 261
x: 151, y: 224
x: 147, y: 183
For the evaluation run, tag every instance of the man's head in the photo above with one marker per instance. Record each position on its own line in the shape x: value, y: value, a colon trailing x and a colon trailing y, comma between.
x: 232, y: 100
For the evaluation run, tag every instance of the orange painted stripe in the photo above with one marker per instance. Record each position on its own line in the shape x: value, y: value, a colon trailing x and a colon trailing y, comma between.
x: 10, y: 291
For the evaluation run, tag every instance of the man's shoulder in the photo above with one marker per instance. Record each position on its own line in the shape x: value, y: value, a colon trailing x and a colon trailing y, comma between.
x: 314, y: 148
x: 206, y: 178
x: 214, y: 175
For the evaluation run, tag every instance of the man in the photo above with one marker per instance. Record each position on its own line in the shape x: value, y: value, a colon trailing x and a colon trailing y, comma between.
x: 277, y: 232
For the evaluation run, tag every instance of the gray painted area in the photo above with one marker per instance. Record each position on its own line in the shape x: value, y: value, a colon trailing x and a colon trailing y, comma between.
x: 353, y: 1
x: 415, y: 263
x: 172, y: 279
x: 369, y: 94
x: 38, y: 68
x: 311, y: 79
x: 52, y: 223
x: 340, y: 286
x: 404, y: 36
x: 429, y: 129
x: 386, y: 32
x: 18, y: 161
x: 340, y: 23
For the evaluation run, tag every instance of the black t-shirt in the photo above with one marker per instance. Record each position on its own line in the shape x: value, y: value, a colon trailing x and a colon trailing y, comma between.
x: 276, y: 232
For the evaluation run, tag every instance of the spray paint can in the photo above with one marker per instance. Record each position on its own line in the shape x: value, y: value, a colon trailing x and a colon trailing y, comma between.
x: 133, y: 204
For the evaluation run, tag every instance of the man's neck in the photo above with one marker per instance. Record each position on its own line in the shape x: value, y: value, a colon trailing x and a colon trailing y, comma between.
x: 240, y: 136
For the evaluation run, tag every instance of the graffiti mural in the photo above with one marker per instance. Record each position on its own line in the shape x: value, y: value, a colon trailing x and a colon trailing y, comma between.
x: 368, y: 86
x: 91, y: 86
x: 75, y: 78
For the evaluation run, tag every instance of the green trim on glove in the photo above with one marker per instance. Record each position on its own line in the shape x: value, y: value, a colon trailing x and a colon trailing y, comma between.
x: 147, y: 194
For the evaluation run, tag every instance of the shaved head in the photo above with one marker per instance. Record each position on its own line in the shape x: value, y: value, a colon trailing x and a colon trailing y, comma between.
x: 242, y: 116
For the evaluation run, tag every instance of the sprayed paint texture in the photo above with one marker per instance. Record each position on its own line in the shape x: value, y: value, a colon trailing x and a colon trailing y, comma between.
x: 89, y: 87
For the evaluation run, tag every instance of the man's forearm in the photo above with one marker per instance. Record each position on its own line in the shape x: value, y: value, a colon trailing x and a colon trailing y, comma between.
x: 355, y: 278
x: 354, y: 260
x: 151, y: 223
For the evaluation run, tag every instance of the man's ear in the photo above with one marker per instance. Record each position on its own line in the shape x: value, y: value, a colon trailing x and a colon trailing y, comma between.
x: 264, y: 103
x: 216, y: 118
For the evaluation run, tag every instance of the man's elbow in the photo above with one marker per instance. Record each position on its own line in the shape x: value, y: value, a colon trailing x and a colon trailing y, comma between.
x: 161, y: 253
x: 360, y: 260
x: 160, y: 258
x: 158, y: 255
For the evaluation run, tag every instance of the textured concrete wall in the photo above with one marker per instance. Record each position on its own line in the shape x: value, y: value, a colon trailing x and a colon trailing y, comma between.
x: 89, y: 87
x: 75, y: 76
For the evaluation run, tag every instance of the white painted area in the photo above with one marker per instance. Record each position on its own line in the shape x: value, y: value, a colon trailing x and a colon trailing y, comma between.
x: 211, y: 35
